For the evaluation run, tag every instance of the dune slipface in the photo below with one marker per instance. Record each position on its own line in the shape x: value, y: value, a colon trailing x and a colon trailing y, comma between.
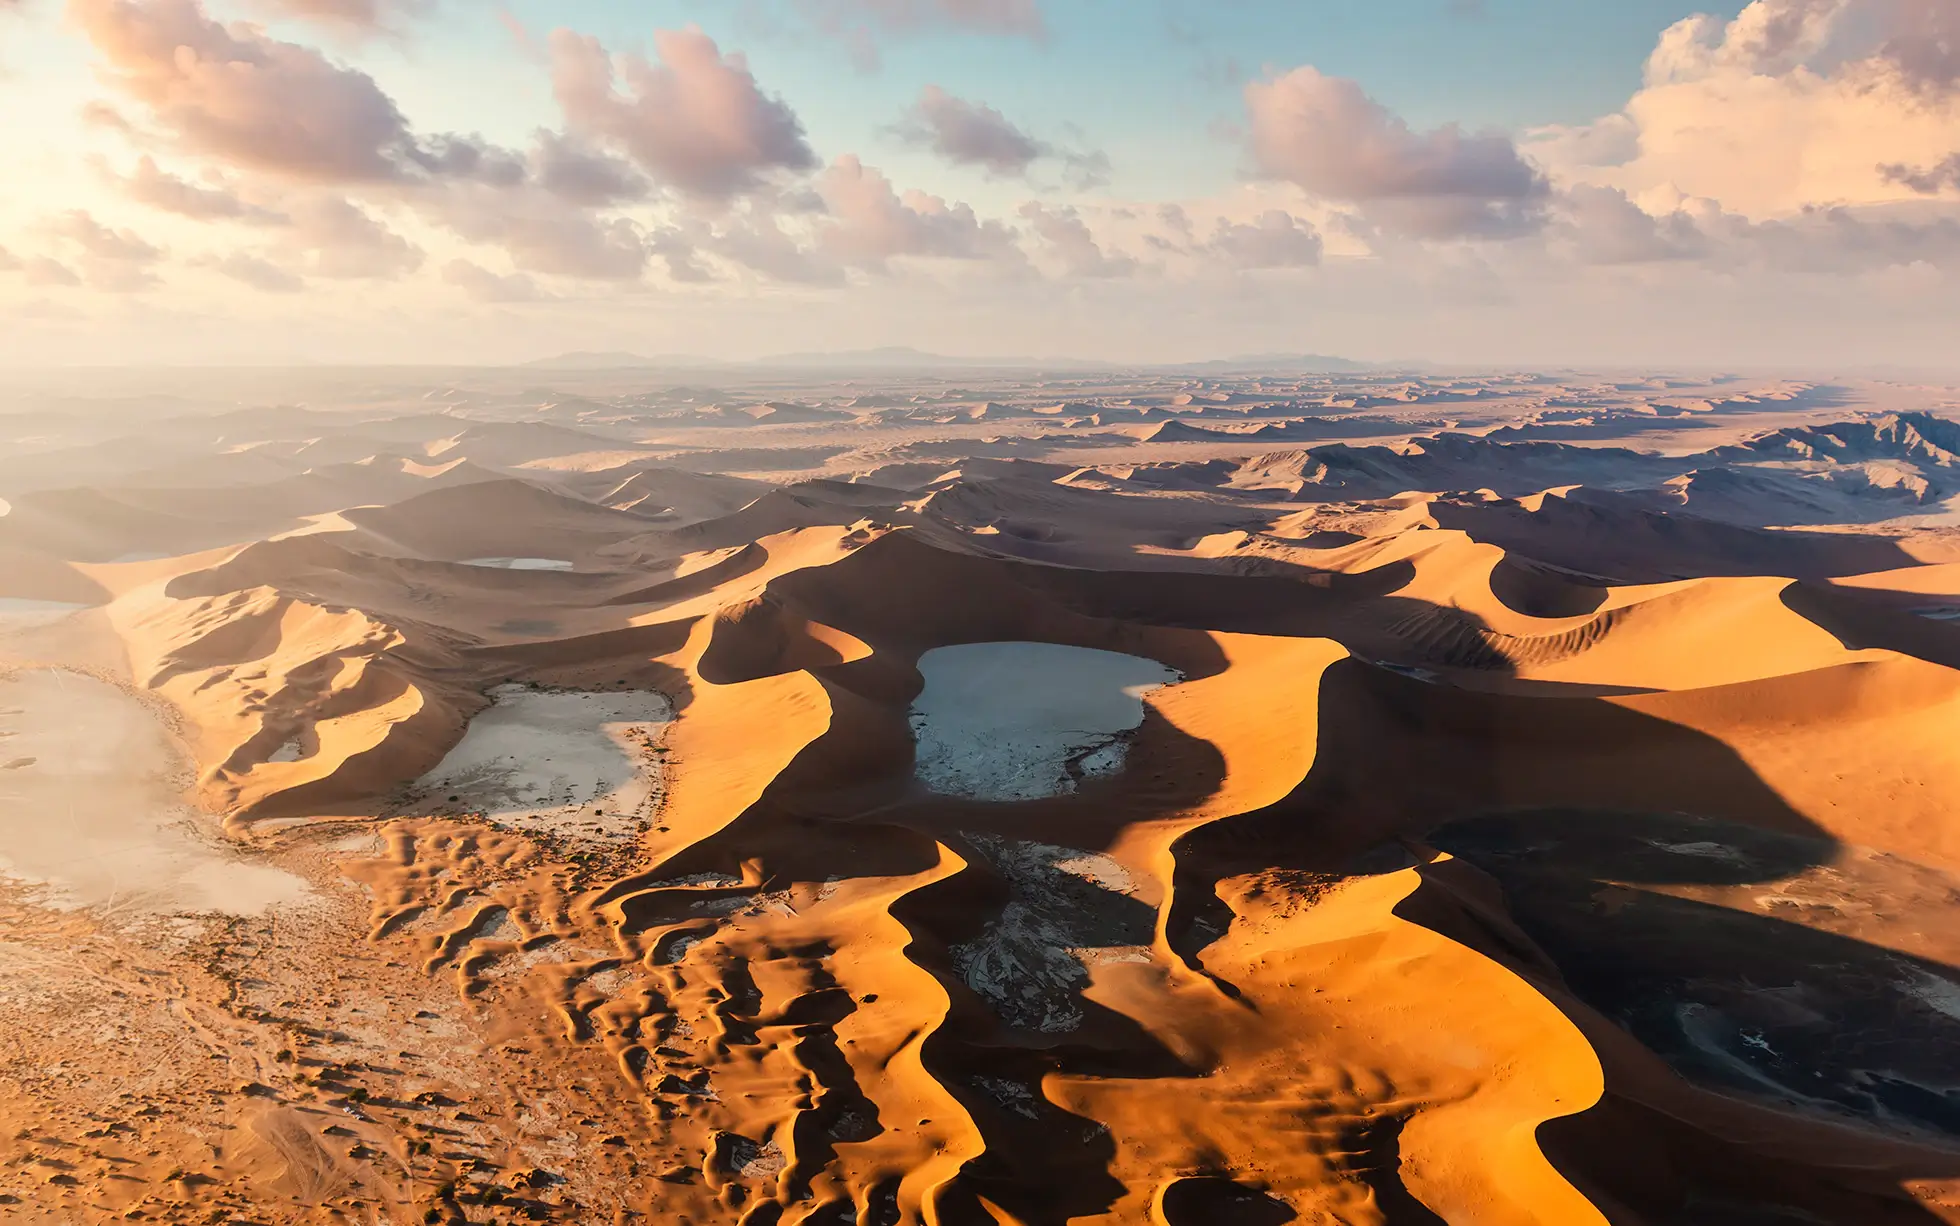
x: 831, y: 805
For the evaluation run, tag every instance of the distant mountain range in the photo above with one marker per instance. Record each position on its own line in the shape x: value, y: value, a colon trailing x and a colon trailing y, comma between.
x: 900, y: 357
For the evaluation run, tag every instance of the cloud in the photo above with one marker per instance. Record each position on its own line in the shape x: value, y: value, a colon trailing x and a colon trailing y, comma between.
x: 239, y: 95
x: 1923, y: 44
x: 1067, y: 238
x: 1328, y: 136
x: 1010, y: 17
x: 542, y: 235
x: 45, y: 271
x: 969, y: 133
x: 362, y: 16
x: 1927, y: 181
x: 120, y: 246
x: 346, y: 243
x: 484, y: 285
x: 871, y: 223
x: 1275, y: 239
x: 861, y: 23
x: 569, y: 169
x: 1602, y: 226
x: 695, y: 120
x: 116, y: 261
x: 259, y: 273
x: 677, y: 250
x: 149, y: 184
x: 755, y: 239
x: 1793, y: 104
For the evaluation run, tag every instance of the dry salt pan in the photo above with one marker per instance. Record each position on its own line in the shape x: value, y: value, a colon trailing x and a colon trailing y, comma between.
x: 93, y: 811
x: 521, y: 563
x: 1020, y: 721
x: 21, y: 614
x: 574, y: 761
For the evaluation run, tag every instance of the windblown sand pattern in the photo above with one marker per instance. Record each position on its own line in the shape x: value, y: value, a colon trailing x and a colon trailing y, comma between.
x: 984, y: 804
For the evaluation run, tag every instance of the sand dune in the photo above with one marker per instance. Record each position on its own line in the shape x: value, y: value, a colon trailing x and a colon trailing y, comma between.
x: 541, y: 816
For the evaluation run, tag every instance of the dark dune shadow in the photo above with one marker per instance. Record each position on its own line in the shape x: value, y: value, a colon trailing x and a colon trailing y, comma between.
x: 1537, y: 590
x: 1214, y: 1201
x: 1861, y: 619
x: 1582, y: 811
x: 1611, y: 535
x: 1745, y: 1002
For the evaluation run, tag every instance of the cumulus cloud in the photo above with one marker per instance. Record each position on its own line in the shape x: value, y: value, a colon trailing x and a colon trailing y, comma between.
x: 101, y: 242
x: 237, y: 94
x: 483, y: 285
x: 862, y: 23
x: 49, y: 273
x: 1602, y: 226
x: 1068, y: 240
x: 116, y: 261
x: 569, y: 169
x: 1329, y: 137
x: 345, y: 242
x: 693, y: 119
x: 149, y: 184
x: 756, y: 239
x: 1275, y: 239
x: 541, y: 234
x: 1927, y: 180
x: 969, y: 133
x: 871, y: 223
x: 677, y: 250
x: 255, y: 271
x: 1020, y: 17
x: 1792, y: 104
x: 361, y: 16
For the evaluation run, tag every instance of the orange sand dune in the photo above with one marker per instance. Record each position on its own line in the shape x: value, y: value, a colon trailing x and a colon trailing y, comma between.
x: 1158, y: 841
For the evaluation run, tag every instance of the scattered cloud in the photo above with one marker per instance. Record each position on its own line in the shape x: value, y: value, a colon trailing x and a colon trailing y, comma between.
x: 483, y: 285
x: 861, y: 24
x: 1602, y: 226
x: 112, y: 260
x: 1067, y: 239
x: 1011, y: 17
x: 255, y: 271
x: 1326, y: 135
x: 345, y: 242
x: 239, y: 95
x: 151, y: 185
x: 871, y: 223
x: 360, y: 16
x: 1927, y: 181
x: 542, y: 235
x: 969, y: 133
x: 571, y: 170
x: 678, y: 252
x: 1792, y: 104
x: 692, y: 118
x: 1275, y: 239
x: 48, y: 272
x: 756, y: 240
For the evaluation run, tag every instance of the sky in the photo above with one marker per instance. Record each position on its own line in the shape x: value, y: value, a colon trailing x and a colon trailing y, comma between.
x: 1482, y: 182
